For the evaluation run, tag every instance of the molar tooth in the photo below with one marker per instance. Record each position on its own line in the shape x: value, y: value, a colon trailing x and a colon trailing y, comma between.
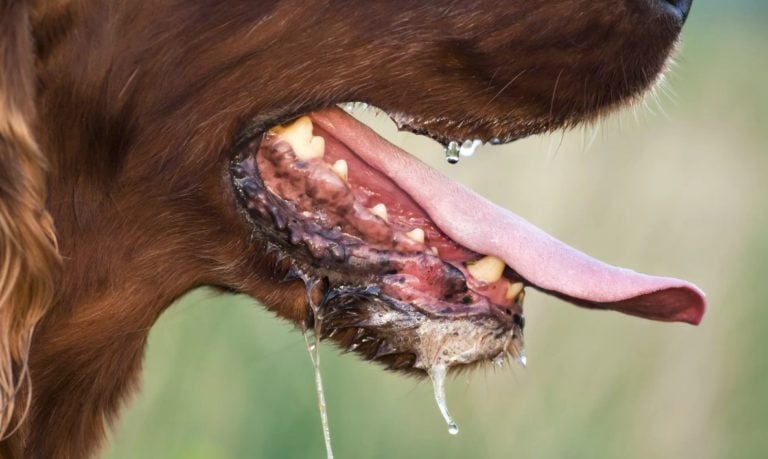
x: 513, y: 290
x: 380, y: 210
x: 416, y: 234
x: 487, y: 269
x: 342, y: 169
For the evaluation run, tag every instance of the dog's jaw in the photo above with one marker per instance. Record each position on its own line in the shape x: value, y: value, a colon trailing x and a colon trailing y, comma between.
x: 319, y: 195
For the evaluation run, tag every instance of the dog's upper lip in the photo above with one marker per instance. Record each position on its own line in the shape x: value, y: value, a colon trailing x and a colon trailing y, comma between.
x: 542, y: 260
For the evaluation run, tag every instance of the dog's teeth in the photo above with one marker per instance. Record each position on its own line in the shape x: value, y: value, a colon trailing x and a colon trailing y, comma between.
x: 380, y: 210
x: 469, y: 147
x: 433, y: 251
x: 513, y: 290
x: 452, y: 152
x: 299, y: 131
x: 487, y: 269
x: 299, y: 136
x: 416, y: 234
x: 342, y: 169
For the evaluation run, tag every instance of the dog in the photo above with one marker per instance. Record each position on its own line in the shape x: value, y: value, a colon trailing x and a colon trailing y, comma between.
x: 148, y: 148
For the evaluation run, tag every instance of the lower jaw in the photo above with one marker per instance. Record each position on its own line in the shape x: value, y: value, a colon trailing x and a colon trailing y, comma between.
x: 390, y: 299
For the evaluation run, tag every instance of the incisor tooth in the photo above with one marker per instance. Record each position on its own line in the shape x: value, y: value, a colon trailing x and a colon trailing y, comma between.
x: 380, y: 210
x: 416, y: 234
x: 487, y: 269
x: 513, y: 290
x: 342, y: 169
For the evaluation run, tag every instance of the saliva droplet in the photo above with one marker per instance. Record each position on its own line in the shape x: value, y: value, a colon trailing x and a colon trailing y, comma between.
x: 452, y: 152
x: 438, y: 373
x: 469, y: 147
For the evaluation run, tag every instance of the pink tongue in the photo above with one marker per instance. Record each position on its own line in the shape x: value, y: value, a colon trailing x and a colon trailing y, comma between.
x: 484, y: 227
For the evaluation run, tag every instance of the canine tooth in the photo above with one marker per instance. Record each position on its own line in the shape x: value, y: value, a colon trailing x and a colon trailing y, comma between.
x: 299, y: 136
x: 487, y: 269
x: 380, y: 210
x: 513, y: 290
x: 300, y: 130
x: 416, y: 234
x: 342, y: 169
x: 314, y: 149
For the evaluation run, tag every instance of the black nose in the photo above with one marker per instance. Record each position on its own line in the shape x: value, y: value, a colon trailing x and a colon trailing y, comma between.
x: 677, y: 8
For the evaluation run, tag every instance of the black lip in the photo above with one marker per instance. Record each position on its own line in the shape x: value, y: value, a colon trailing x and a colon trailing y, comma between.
x: 256, y: 127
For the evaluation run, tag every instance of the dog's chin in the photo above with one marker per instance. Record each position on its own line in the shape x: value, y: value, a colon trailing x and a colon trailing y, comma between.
x: 403, y: 265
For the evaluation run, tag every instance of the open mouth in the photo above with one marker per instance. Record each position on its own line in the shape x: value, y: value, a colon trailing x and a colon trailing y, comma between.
x: 402, y: 275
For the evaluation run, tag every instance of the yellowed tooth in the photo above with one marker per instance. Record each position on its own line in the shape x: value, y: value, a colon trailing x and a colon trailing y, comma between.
x: 487, y: 269
x: 380, y: 210
x: 314, y: 149
x: 416, y: 234
x: 433, y: 251
x: 513, y: 289
x: 299, y: 131
x: 342, y: 169
x: 299, y: 136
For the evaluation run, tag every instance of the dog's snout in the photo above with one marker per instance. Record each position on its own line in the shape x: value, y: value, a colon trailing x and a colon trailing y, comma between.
x: 677, y: 8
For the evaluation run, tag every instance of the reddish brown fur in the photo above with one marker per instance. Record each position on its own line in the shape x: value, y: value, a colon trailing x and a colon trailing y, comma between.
x: 139, y: 104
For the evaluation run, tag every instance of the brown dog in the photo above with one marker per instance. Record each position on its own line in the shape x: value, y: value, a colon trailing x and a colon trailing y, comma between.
x: 163, y: 129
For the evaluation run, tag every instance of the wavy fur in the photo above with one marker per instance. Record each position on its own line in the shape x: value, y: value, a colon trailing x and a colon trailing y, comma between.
x: 28, y: 255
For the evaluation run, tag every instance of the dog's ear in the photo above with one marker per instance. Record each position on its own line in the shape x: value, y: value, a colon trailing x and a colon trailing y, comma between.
x: 28, y: 253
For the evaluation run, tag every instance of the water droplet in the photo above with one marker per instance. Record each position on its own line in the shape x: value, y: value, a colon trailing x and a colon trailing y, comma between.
x: 469, y: 147
x: 523, y: 360
x: 495, y: 141
x: 438, y: 373
x: 452, y: 152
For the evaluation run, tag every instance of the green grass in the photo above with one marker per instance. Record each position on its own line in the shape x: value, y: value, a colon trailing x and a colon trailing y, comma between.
x: 680, y: 193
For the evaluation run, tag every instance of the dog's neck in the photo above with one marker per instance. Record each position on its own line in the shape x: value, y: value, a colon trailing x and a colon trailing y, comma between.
x: 87, y: 352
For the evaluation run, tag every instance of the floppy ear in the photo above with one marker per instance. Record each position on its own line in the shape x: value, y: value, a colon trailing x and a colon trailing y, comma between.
x: 28, y: 253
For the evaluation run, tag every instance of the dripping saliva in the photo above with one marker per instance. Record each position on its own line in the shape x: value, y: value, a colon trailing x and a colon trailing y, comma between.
x: 452, y: 152
x: 455, y: 149
x: 438, y: 373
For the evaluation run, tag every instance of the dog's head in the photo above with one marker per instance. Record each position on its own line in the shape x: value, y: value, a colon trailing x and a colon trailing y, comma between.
x: 199, y: 143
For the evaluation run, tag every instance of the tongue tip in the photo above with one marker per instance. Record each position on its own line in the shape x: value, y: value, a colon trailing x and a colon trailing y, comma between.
x: 694, y: 311
x: 679, y: 303
x: 683, y: 303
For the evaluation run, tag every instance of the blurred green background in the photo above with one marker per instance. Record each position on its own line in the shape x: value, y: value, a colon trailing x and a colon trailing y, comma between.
x: 677, y: 187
